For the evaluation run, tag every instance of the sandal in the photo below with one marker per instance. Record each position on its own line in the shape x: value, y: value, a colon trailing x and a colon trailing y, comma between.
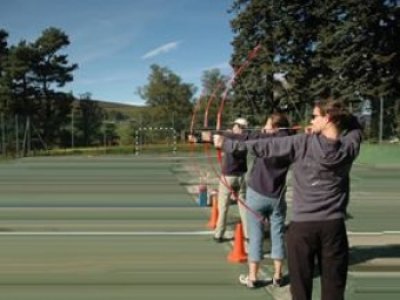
x: 277, y: 282
x: 244, y: 280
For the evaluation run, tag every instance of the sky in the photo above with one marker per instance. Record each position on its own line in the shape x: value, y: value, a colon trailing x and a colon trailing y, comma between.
x: 115, y: 42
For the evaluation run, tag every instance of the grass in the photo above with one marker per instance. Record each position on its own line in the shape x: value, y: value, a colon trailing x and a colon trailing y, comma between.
x: 144, y: 149
x: 371, y: 154
x: 379, y: 154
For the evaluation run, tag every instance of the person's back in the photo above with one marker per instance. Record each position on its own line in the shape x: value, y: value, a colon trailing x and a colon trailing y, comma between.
x: 321, y: 185
x: 234, y: 168
x: 321, y: 165
x: 321, y: 176
x: 265, y: 199
x: 268, y: 175
x: 234, y: 164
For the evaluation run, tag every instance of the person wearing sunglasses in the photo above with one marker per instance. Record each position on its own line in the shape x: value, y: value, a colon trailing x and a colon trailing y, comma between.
x: 321, y: 163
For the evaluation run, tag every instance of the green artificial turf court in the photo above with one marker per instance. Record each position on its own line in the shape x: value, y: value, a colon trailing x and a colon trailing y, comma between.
x: 108, y: 228
x: 123, y: 227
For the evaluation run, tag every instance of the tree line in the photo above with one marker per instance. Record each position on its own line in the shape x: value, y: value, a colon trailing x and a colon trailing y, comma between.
x: 345, y: 48
x: 304, y: 50
x: 34, y: 112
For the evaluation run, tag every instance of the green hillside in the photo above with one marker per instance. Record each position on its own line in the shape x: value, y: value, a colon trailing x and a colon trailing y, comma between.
x: 130, y: 111
x: 120, y: 111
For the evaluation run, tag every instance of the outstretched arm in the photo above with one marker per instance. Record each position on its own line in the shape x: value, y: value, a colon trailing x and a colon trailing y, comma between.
x: 287, y: 146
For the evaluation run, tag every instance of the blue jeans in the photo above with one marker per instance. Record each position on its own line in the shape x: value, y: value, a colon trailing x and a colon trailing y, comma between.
x: 261, y: 208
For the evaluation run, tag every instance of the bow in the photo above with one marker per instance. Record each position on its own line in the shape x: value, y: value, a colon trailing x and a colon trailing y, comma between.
x: 231, y: 81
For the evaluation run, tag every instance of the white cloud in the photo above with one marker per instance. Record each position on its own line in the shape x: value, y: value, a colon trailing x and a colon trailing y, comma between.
x: 162, y: 49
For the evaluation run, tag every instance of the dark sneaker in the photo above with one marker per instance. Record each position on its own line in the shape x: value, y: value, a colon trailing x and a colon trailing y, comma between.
x: 244, y: 280
x: 277, y: 282
x: 218, y: 239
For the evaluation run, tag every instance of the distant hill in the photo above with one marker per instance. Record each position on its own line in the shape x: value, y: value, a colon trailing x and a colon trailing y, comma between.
x: 121, y: 107
x: 120, y: 111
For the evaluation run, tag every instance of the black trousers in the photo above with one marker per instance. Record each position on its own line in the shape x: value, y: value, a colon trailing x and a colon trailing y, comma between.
x: 324, y: 242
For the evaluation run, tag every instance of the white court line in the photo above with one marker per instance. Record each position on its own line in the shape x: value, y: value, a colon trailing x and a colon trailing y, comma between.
x: 150, y: 233
x: 373, y: 232
x: 109, y: 233
x: 371, y: 274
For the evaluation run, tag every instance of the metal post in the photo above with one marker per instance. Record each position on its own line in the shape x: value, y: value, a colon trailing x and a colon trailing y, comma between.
x: 16, y: 137
x: 381, y: 120
x: 28, y: 130
x: 174, y: 141
x: 104, y: 134
x: 3, y: 136
x: 306, y: 113
x: 72, y: 128
x: 137, y: 142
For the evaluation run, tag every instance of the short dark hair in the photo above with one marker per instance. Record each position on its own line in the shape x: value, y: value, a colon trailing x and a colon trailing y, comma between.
x: 279, y: 120
x: 336, y: 110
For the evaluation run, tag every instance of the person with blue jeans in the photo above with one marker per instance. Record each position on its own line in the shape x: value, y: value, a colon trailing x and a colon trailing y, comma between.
x: 321, y: 162
x: 273, y: 209
x: 265, y: 200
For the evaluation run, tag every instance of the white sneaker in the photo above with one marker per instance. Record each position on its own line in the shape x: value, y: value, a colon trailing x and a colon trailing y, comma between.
x: 244, y: 280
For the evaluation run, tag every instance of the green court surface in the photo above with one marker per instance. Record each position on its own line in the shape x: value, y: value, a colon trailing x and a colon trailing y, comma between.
x: 375, y: 195
x: 142, y: 267
x: 127, y: 227
x: 108, y: 228
x: 372, y: 286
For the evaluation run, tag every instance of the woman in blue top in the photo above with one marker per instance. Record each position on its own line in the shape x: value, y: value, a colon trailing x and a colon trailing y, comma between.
x: 265, y: 200
x: 321, y: 164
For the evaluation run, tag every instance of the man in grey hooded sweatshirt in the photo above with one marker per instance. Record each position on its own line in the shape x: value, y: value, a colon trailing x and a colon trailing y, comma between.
x: 321, y: 163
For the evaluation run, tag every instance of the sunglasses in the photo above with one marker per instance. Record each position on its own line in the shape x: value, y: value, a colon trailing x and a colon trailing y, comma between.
x: 314, y: 116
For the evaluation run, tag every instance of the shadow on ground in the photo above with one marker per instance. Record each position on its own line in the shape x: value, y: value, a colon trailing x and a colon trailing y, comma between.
x: 363, y: 254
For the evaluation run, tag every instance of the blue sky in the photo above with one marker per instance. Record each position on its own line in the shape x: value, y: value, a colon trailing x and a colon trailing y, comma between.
x: 115, y: 42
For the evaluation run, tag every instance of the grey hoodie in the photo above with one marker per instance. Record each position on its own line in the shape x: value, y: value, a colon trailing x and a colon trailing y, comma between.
x: 321, y: 170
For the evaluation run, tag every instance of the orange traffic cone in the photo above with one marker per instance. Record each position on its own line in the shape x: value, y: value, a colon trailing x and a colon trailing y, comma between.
x: 238, y: 253
x: 212, y: 223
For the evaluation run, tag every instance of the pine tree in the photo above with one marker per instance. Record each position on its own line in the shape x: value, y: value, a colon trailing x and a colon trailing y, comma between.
x: 345, y: 48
